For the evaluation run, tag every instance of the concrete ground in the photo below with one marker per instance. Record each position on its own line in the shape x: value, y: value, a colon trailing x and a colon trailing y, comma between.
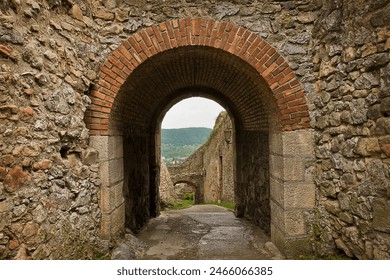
x: 204, y: 232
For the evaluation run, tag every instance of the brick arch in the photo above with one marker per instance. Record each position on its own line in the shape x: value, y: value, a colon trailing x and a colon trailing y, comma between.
x: 226, y: 36
x: 240, y: 70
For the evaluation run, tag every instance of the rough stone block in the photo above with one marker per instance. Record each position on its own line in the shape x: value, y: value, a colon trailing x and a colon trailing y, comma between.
x: 294, y: 223
x: 5, y: 220
x: 381, y: 215
x: 299, y: 195
x: 6, y: 206
x: 89, y: 156
x: 367, y: 146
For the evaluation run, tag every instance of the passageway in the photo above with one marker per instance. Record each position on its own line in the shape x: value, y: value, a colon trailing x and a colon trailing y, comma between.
x: 204, y: 232
x: 166, y: 63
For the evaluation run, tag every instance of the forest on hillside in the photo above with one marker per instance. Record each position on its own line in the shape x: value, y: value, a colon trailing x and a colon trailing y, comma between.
x: 179, y: 143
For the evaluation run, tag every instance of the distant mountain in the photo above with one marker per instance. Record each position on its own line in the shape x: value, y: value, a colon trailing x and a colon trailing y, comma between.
x: 179, y: 143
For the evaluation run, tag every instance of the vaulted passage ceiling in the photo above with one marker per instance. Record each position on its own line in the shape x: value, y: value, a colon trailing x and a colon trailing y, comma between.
x: 178, y: 73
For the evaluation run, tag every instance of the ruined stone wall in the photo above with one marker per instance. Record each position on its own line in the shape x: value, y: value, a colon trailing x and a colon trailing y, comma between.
x: 218, y: 162
x: 210, y: 169
x: 50, y: 52
x: 351, y: 47
x: 167, y: 189
x: 191, y: 173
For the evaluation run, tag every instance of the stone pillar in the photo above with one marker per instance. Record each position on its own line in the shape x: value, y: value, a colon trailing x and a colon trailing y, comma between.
x: 292, y: 190
x: 111, y: 203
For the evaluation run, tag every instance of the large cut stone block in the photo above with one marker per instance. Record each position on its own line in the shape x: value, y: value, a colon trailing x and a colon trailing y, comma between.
x: 298, y: 143
x: 118, y: 194
x: 100, y: 144
x: 106, y: 200
x: 276, y: 143
x: 291, y: 247
x: 294, y: 169
x: 108, y: 147
x: 118, y: 220
x: 111, y: 172
x: 277, y: 191
x: 276, y: 167
x: 112, y: 224
x: 287, y: 168
x: 105, y: 226
x: 115, y: 147
x: 277, y: 214
x: 294, y: 223
x: 299, y: 195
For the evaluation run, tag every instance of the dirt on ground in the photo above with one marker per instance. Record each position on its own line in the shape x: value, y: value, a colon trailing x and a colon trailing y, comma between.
x: 204, y: 232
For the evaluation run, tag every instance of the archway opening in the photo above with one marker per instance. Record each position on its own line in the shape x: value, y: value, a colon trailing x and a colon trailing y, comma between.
x: 186, y: 126
x: 174, y: 75
x: 228, y: 64
x: 192, y: 143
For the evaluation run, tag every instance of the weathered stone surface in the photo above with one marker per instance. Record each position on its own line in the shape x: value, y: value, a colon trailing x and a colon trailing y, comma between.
x: 10, y: 36
x: 290, y: 49
x: 5, y: 206
x: 76, y: 12
x: 332, y: 206
x: 15, y: 179
x: 367, y: 146
x: 104, y: 14
x: 381, y: 214
x: 43, y: 164
x: 384, y: 144
x: 89, y: 156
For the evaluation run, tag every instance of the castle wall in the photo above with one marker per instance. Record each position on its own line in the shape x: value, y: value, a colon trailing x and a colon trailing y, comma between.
x: 53, y: 199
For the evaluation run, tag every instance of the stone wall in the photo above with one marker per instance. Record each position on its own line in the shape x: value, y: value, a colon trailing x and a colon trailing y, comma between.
x: 51, y: 183
x: 351, y: 48
x: 190, y: 172
x: 218, y: 162
x: 49, y: 176
x: 167, y: 189
x: 210, y: 169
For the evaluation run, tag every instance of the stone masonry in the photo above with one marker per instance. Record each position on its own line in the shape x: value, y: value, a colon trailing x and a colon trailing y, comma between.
x: 210, y: 168
x: 84, y: 85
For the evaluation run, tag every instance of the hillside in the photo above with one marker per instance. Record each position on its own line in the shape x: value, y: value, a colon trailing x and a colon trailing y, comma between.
x: 179, y: 143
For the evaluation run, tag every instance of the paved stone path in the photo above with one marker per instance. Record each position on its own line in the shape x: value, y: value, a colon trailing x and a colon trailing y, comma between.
x: 204, y: 232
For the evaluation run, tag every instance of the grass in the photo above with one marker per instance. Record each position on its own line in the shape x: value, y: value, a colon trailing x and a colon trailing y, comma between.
x: 183, y: 204
x: 187, y: 202
x: 227, y: 204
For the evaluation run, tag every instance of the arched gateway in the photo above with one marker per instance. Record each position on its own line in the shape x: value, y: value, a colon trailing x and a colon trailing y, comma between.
x: 165, y: 63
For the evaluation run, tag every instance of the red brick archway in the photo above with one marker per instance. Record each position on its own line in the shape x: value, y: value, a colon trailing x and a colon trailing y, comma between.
x: 248, y: 46
x: 167, y: 62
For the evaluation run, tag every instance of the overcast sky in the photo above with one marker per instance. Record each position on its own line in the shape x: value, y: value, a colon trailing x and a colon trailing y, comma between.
x: 192, y: 112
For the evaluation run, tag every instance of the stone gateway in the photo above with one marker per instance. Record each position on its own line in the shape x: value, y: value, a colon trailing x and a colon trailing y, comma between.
x: 85, y: 85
